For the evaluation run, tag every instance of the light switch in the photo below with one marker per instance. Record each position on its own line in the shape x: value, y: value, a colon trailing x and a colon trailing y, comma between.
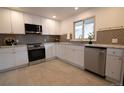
x: 115, y: 40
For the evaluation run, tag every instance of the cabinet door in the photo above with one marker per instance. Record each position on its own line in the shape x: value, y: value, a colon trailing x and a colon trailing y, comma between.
x: 7, y: 61
x: 113, y: 67
x: 36, y: 20
x: 56, y: 49
x: 59, y: 50
x: 17, y: 22
x: 21, y: 55
x: 69, y: 53
x: 21, y: 58
x: 5, y: 21
x: 66, y: 52
x: 62, y: 51
x: 50, y: 27
x: 45, y: 30
x: 79, y: 57
x: 53, y: 50
x: 28, y: 18
x: 72, y: 54
x: 57, y: 28
x: 49, y: 51
x: 31, y: 19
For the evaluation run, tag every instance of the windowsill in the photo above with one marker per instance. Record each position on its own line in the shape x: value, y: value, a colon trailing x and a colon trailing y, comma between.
x: 82, y: 40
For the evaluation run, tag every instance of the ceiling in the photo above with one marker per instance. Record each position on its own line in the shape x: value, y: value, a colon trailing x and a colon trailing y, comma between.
x: 61, y: 13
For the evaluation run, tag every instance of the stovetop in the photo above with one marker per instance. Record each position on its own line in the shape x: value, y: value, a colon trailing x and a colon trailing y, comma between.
x: 35, y: 45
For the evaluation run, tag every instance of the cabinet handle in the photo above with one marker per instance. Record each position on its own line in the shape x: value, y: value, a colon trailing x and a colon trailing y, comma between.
x: 120, y: 59
x: 112, y: 72
x: 102, y: 52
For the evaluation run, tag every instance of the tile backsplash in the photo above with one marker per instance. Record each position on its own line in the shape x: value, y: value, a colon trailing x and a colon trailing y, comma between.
x: 29, y: 38
x: 103, y: 37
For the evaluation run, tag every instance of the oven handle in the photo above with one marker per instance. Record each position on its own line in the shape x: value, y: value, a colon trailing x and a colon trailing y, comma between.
x: 35, y: 48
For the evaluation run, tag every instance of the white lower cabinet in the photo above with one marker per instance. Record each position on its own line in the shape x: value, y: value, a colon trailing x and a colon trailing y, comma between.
x: 21, y: 56
x: 6, y: 61
x: 12, y: 57
x: 50, y: 50
x: 114, y: 64
x: 79, y: 57
x: 67, y: 52
x: 76, y: 55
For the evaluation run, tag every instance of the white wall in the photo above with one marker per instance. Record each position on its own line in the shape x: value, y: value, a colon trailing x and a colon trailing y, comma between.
x: 105, y: 17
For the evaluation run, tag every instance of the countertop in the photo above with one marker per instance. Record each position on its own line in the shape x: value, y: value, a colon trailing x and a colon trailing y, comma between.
x: 92, y: 45
x: 106, y: 45
x: 12, y: 46
x: 66, y: 43
x: 78, y: 44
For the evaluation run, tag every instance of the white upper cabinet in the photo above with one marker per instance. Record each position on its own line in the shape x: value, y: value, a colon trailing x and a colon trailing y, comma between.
x: 5, y: 21
x: 31, y: 19
x: 11, y: 22
x: 17, y: 22
x: 50, y: 27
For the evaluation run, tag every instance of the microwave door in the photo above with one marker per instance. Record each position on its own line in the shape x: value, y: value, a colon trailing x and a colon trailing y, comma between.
x: 32, y: 28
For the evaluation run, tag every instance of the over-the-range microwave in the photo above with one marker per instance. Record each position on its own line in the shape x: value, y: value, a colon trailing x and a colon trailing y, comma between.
x: 33, y: 28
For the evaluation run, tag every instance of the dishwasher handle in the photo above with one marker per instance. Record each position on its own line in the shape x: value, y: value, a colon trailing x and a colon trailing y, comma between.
x: 102, y: 52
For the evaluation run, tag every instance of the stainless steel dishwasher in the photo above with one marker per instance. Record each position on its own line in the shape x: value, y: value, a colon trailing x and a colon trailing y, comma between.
x: 95, y: 59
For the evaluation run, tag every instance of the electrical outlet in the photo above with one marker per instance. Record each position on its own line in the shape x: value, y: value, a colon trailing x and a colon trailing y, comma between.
x: 114, y: 40
x: 17, y: 41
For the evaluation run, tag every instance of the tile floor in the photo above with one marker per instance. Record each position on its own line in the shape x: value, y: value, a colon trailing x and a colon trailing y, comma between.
x: 54, y: 72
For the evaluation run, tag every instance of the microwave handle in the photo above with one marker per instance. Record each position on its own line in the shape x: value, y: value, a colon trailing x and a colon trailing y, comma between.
x: 39, y: 27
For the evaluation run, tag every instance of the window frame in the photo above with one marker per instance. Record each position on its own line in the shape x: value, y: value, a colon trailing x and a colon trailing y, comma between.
x: 85, y: 39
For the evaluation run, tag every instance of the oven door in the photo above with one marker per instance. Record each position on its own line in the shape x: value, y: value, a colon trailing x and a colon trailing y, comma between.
x: 36, y: 54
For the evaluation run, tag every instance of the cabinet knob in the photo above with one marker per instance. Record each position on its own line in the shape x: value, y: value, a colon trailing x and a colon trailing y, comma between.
x: 113, y: 52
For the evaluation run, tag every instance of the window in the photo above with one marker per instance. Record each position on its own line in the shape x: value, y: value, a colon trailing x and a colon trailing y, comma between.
x: 78, y: 26
x: 88, y: 27
x: 83, y: 28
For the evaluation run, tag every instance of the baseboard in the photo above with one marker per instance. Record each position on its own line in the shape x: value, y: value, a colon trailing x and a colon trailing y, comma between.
x: 49, y: 59
x: 73, y: 64
x: 37, y: 62
x: 40, y: 61
x: 118, y: 83
x: 14, y: 68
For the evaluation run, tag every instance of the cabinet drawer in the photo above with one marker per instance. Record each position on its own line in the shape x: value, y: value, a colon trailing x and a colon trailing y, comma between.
x: 6, y: 50
x: 114, y: 52
x: 20, y: 49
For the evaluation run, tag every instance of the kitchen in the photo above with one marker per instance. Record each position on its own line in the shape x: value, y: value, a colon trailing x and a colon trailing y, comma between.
x: 28, y: 37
